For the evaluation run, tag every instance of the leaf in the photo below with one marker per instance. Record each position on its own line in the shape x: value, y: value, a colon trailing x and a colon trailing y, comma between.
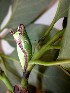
x: 63, y: 10
x: 26, y: 11
x: 36, y: 31
x: 4, y: 6
x: 12, y: 71
x: 65, y: 50
x: 12, y: 68
x: 50, y: 79
x: 9, y: 38
x: 3, y: 88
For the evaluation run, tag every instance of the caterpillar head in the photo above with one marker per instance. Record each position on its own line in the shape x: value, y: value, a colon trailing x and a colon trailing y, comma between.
x: 20, y: 30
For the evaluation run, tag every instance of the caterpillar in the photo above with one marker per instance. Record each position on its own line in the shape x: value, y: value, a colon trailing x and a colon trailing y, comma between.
x: 24, y: 47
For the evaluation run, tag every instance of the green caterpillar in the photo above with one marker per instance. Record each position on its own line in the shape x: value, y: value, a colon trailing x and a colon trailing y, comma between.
x: 24, y: 47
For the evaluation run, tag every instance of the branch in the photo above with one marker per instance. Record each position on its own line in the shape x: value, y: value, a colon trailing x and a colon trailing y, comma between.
x: 5, y: 79
x: 44, y: 63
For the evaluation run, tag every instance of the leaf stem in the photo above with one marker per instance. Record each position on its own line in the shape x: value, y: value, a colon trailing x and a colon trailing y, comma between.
x: 47, y: 46
x: 8, y: 57
x: 5, y: 79
x: 24, y: 83
x: 55, y: 47
x: 44, y: 63
x: 54, y: 20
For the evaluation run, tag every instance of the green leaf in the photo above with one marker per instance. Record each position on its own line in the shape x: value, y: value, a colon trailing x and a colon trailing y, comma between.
x: 3, y: 88
x: 65, y: 50
x: 12, y: 67
x: 26, y: 11
x: 50, y: 79
x: 4, y: 6
x: 11, y: 72
x: 36, y: 31
x: 63, y: 10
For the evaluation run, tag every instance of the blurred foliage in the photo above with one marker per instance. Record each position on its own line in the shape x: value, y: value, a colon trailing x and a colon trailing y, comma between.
x: 53, y: 79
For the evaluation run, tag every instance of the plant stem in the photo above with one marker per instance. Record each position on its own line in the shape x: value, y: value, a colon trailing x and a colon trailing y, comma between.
x: 30, y: 66
x: 24, y: 83
x: 47, y: 46
x: 53, y: 22
x: 55, y: 47
x: 8, y: 57
x: 44, y: 63
x: 5, y: 79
